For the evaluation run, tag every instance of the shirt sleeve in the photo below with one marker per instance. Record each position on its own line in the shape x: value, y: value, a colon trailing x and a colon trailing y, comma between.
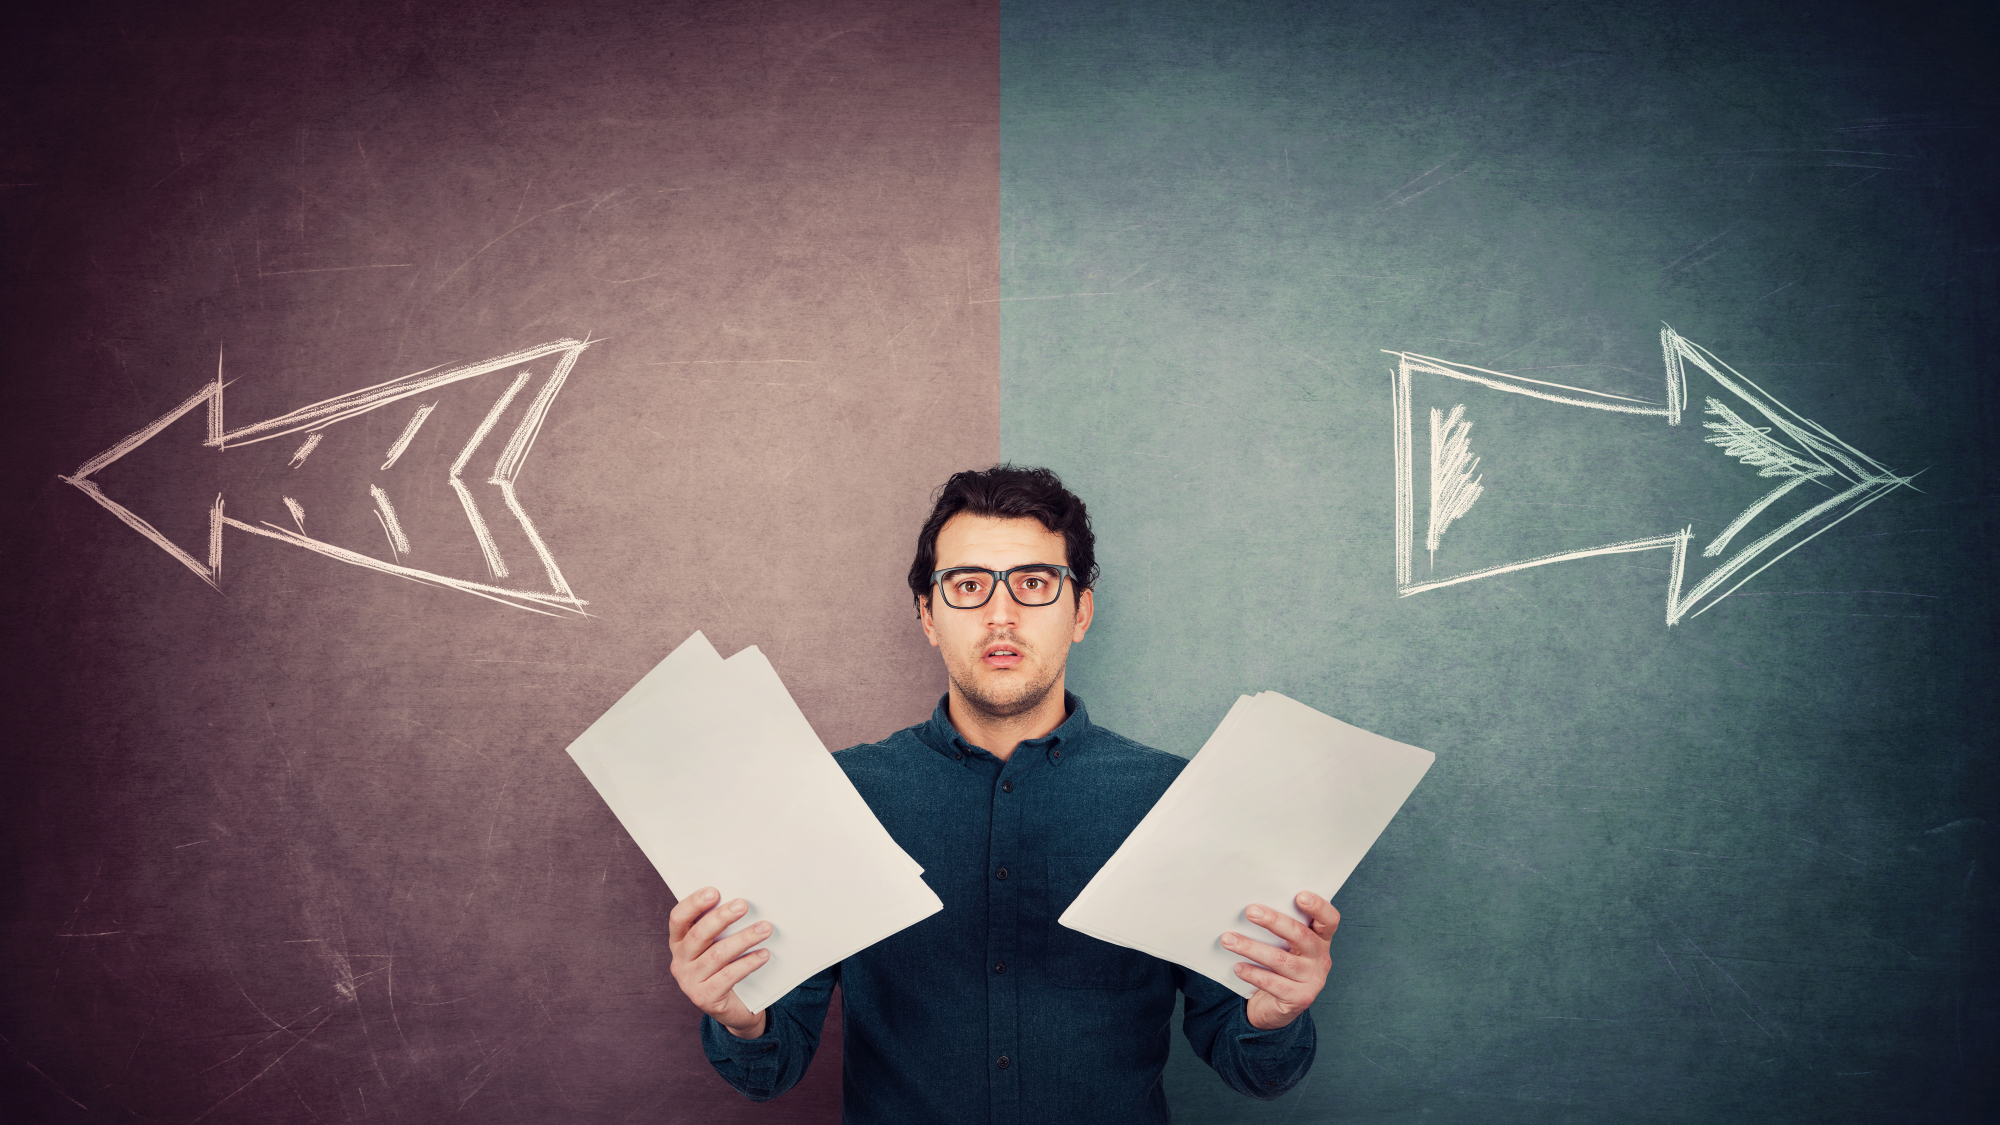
x: 1262, y: 1064
x: 764, y: 1067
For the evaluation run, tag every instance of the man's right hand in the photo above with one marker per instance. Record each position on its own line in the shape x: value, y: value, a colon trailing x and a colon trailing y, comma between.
x: 707, y: 970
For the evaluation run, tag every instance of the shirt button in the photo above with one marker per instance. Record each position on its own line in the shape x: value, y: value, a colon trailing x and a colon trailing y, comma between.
x: 1000, y: 966
x: 1004, y: 1062
x: 1006, y: 787
x: 958, y: 755
x: 1000, y: 874
x: 1057, y: 754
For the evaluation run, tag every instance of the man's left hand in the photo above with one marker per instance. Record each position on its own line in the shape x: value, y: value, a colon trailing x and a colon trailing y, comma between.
x: 1287, y: 982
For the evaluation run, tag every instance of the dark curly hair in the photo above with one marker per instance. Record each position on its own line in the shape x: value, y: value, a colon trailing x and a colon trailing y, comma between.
x: 1009, y: 492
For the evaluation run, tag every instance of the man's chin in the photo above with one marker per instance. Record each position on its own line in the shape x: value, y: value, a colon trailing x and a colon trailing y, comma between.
x: 1003, y: 701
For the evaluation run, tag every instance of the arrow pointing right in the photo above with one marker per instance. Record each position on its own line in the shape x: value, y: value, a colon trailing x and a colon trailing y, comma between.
x: 1748, y: 425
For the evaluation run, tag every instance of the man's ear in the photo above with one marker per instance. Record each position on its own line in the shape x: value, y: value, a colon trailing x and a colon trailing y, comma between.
x: 1085, y: 605
x: 924, y: 619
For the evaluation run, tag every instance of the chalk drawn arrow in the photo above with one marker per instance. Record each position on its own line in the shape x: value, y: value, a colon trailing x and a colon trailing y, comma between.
x: 1747, y: 424
x: 560, y: 357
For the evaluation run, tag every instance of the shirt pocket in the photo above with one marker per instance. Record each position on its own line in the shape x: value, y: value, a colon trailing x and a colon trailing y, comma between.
x: 1077, y: 960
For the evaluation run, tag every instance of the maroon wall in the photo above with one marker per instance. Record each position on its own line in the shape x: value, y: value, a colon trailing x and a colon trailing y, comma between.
x: 306, y: 847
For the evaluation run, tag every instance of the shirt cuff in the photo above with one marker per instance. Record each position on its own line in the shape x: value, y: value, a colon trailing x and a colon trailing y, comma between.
x: 1295, y: 1034
x: 1274, y: 1060
x: 723, y: 1048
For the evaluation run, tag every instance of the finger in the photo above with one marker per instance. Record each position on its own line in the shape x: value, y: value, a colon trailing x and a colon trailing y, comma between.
x: 727, y: 950
x: 1288, y: 992
x: 712, y: 924
x: 1303, y: 940
x: 1325, y: 918
x: 733, y: 973
x: 716, y: 995
x: 729, y: 976
x: 1289, y: 965
x: 687, y: 910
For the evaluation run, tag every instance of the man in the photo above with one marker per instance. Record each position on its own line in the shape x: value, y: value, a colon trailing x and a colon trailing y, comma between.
x: 1011, y: 799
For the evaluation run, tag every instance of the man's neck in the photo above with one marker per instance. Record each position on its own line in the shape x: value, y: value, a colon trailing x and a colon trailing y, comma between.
x: 1000, y: 735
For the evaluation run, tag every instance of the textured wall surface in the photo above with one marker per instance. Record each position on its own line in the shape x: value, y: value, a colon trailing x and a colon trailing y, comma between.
x: 304, y: 846
x: 308, y: 848
x: 1733, y: 870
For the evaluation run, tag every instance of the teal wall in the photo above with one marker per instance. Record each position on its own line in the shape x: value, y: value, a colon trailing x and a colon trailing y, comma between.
x: 1723, y: 870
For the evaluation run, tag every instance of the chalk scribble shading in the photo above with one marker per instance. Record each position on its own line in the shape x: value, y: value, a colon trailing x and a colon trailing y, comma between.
x: 1453, y: 487
x: 314, y: 420
x: 1754, y: 446
x: 391, y: 526
x: 311, y: 443
x: 1791, y: 448
x: 494, y: 564
x: 408, y: 435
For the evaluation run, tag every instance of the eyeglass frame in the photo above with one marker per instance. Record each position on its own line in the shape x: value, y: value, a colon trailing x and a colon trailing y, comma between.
x: 1063, y: 574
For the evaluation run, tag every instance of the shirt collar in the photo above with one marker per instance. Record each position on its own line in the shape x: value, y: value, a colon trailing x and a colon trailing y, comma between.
x: 1056, y: 747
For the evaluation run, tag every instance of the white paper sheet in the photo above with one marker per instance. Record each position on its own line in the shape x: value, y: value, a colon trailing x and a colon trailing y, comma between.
x: 1281, y: 799
x: 720, y: 780
x: 694, y: 654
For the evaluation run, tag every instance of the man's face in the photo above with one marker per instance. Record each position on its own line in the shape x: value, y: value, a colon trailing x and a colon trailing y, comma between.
x: 1004, y: 658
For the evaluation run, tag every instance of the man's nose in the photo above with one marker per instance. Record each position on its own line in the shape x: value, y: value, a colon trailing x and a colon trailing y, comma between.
x: 1001, y: 608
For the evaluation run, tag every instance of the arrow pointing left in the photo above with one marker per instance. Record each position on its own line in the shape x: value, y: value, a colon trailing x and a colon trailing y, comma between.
x: 313, y: 420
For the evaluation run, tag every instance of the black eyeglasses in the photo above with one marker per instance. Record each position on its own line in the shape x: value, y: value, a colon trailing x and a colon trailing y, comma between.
x: 969, y: 587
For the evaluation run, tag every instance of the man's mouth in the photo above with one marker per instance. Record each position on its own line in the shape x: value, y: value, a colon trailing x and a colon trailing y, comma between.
x: 1000, y: 656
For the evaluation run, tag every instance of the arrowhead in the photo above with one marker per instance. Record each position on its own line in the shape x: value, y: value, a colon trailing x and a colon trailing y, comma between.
x: 1746, y: 423
x: 211, y: 396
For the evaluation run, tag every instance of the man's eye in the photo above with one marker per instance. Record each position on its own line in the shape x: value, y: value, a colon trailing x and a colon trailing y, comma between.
x: 1032, y: 583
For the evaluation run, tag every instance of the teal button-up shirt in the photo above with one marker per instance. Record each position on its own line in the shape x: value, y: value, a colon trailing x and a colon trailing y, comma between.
x: 990, y: 1010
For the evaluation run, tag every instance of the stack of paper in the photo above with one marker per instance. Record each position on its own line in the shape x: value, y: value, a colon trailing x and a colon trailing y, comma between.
x: 721, y: 782
x: 1281, y: 799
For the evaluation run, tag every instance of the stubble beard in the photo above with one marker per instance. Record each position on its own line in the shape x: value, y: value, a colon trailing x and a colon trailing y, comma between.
x: 1023, y: 699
